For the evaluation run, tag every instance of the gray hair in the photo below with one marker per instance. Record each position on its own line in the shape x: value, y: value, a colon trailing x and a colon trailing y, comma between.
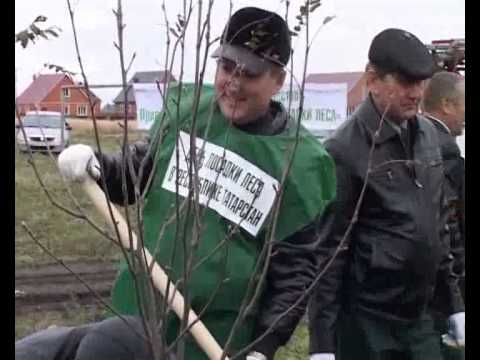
x: 442, y: 85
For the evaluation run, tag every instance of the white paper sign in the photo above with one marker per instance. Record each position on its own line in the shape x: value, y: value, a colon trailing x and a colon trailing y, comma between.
x: 227, y: 183
x: 149, y: 104
x: 324, y: 105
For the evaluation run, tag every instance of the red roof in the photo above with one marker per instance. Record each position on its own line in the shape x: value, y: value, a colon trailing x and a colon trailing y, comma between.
x: 39, y: 88
x: 351, y: 78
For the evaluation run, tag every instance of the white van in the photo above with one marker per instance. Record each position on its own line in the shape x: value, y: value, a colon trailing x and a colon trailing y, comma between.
x: 43, y: 131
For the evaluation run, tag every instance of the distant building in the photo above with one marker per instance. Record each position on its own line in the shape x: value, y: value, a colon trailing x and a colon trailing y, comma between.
x: 109, y: 112
x: 45, y: 94
x: 356, y: 85
x: 142, y: 77
x: 108, y: 108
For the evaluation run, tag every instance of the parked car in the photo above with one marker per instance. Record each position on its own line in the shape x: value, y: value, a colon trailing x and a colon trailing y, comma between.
x: 43, y: 131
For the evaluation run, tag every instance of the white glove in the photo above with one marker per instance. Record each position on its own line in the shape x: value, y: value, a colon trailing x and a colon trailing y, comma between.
x: 254, y: 355
x: 77, y: 162
x: 322, y: 356
x: 456, y: 328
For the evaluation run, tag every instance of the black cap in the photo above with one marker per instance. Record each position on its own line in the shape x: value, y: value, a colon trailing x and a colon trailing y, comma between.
x: 398, y: 51
x: 255, y: 38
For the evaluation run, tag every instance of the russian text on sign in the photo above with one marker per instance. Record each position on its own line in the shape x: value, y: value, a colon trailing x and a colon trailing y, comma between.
x: 227, y: 183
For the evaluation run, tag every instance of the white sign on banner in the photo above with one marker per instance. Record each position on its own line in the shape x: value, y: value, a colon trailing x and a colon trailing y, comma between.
x: 149, y: 104
x: 227, y: 183
x: 324, y: 108
x: 324, y: 105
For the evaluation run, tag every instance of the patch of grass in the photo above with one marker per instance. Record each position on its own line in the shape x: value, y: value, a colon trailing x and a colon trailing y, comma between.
x: 72, y: 316
x: 66, y: 236
x: 297, y: 347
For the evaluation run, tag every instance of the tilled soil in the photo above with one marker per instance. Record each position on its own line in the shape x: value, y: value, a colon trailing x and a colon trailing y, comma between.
x: 53, y: 287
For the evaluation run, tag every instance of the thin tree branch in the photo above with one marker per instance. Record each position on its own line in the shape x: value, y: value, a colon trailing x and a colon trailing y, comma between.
x: 95, y: 293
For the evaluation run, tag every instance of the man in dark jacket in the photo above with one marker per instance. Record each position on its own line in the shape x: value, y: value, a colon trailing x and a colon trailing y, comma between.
x: 444, y: 106
x: 386, y: 229
x: 243, y: 129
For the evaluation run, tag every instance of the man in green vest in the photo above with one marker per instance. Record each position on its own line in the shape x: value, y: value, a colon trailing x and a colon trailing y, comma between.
x: 250, y: 215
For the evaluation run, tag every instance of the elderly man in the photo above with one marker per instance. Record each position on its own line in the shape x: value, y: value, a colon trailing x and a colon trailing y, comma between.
x: 246, y: 131
x: 444, y: 105
x: 387, y: 223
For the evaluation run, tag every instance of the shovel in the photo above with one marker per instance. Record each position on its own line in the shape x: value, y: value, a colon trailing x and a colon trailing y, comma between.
x: 198, y: 330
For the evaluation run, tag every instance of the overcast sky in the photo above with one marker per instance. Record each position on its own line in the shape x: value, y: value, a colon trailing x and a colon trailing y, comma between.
x: 341, y: 45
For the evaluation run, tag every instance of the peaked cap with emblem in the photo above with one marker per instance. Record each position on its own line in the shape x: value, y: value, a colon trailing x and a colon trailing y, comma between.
x: 398, y: 51
x: 255, y: 38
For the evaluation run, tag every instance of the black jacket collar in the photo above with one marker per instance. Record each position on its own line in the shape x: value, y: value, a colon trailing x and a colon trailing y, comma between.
x: 438, y: 124
x: 271, y: 123
x: 368, y: 114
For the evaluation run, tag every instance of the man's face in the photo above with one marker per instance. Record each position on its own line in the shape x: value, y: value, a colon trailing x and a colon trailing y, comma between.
x: 396, y: 94
x: 455, y: 111
x: 243, y: 96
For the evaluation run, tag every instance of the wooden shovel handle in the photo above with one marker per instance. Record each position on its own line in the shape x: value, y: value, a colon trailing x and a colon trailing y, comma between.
x: 198, y: 330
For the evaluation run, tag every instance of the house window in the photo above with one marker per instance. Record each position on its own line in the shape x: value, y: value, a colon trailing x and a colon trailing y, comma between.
x: 82, y: 110
x: 66, y: 93
x: 66, y: 110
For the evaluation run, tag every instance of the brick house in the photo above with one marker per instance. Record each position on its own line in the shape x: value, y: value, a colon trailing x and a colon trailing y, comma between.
x: 142, y: 77
x: 45, y: 94
x: 356, y: 85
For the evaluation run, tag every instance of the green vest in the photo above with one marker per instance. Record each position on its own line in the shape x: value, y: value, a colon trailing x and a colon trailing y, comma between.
x: 221, y: 279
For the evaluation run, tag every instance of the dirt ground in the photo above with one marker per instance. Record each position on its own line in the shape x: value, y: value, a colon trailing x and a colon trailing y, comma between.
x: 52, y: 286
x: 78, y: 123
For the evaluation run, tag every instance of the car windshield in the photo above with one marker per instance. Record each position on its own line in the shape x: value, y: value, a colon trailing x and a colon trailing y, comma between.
x: 42, y: 121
